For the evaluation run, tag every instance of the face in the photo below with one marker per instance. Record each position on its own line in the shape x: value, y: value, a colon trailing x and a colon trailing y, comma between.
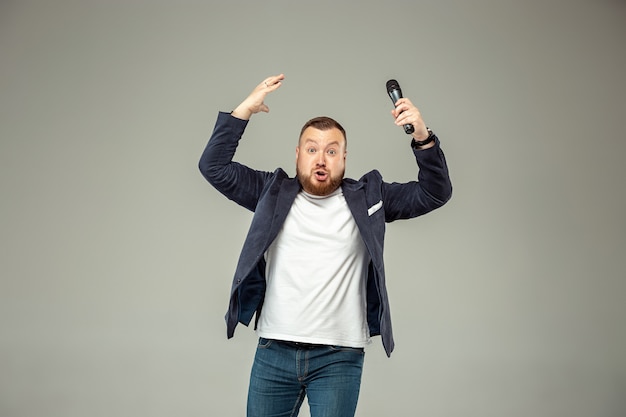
x: 321, y: 160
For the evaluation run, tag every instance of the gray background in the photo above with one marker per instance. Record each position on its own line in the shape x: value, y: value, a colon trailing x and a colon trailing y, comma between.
x: 117, y: 256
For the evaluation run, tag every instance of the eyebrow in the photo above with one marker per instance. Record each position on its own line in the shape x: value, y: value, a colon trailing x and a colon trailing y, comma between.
x: 336, y: 143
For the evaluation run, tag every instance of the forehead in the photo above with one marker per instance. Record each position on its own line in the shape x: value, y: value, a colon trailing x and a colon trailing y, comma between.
x: 322, y: 137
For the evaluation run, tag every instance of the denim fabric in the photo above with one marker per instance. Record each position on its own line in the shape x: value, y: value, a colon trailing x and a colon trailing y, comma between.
x: 284, y: 373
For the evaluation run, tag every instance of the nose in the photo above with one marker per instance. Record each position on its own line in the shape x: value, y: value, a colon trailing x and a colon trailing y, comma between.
x: 321, y: 159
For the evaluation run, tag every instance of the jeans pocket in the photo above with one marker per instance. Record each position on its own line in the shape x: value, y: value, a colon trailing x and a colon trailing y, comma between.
x: 264, y: 343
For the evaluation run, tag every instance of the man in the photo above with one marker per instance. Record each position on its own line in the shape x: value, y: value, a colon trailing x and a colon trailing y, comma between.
x: 312, y: 264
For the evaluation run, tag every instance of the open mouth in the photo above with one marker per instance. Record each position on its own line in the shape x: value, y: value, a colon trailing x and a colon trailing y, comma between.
x: 321, y: 175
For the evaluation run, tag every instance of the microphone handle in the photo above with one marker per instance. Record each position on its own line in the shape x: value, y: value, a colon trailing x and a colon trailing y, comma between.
x: 395, y: 96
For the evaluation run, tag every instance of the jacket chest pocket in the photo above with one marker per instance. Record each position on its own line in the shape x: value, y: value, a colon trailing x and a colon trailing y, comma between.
x: 375, y: 208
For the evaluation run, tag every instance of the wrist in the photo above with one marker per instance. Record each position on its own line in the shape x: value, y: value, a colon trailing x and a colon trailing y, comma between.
x: 428, y: 142
x: 241, y: 113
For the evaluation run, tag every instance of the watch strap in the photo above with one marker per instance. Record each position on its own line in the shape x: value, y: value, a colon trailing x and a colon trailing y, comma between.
x: 419, y: 143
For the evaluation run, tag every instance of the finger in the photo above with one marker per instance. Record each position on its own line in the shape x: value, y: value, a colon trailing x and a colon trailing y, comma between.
x: 403, y: 120
x: 408, y: 117
x: 399, y: 102
x: 398, y: 112
x: 274, y: 82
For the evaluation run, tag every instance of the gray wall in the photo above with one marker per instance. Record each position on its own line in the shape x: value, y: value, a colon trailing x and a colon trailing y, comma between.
x: 117, y: 256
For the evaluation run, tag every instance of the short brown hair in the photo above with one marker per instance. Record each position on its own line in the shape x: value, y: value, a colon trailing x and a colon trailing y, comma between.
x: 324, y: 123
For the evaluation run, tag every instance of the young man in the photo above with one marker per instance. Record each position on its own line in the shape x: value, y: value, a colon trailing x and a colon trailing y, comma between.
x: 312, y: 264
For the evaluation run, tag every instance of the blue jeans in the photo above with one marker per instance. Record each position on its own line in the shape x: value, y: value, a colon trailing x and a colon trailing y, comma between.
x: 284, y: 373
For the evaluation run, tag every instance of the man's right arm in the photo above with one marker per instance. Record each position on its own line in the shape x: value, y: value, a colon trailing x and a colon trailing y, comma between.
x: 236, y: 181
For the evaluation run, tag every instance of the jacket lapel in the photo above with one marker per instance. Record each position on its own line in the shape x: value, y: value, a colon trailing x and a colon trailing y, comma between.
x: 355, y: 198
x: 287, y: 193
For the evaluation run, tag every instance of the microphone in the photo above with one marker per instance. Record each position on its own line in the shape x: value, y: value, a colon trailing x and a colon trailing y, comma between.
x: 393, y: 89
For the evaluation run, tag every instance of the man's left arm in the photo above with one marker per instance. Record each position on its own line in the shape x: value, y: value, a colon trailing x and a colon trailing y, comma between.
x: 433, y: 187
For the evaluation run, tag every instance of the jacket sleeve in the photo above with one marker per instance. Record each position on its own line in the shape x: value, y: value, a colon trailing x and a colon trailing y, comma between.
x: 432, y: 189
x: 237, y: 182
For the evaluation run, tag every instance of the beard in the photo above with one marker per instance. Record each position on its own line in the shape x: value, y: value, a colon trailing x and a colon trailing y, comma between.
x: 312, y: 186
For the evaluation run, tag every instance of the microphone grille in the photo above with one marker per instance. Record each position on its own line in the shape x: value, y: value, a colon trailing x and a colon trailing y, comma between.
x: 392, y: 85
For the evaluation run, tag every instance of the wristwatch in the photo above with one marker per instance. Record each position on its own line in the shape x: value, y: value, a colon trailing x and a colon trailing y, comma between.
x: 415, y: 144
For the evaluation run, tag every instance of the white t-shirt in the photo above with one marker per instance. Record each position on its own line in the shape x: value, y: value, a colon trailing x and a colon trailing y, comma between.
x: 316, y: 276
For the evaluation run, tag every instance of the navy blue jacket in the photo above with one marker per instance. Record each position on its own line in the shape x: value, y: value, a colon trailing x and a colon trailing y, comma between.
x: 270, y: 196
